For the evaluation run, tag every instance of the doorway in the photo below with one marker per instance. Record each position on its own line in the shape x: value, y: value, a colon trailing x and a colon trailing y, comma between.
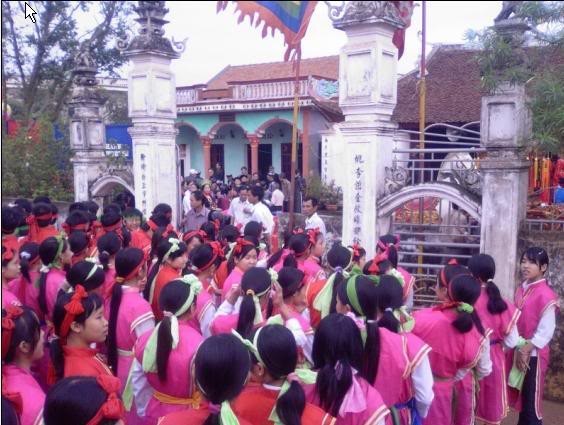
x: 287, y: 159
x: 264, y: 158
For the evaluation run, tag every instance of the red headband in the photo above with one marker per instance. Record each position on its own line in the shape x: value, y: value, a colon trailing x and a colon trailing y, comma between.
x: 356, y: 250
x: 8, y: 254
x: 241, y: 243
x: 113, y: 227
x: 8, y: 325
x: 71, y: 228
x: 73, y: 308
x: 374, y: 268
x: 187, y: 236
x: 112, y: 408
x: 312, y: 235
x: 442, y: 275
x: 133, y: 273
x: 31, y: 220
x: 216, y: 252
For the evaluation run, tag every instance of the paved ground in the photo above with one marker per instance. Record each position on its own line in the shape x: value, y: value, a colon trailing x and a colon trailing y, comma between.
x: 553, y: 414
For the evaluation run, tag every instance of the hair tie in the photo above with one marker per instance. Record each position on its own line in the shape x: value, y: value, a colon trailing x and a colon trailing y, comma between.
x: 112, y: 408
x: 167, y: 313
x: 8, y: 325
x: 490, y: 281
x: 465, y: 308
x: 73, y: 308
x: 174, y: 246
x: 240, y: 245
x: 273, y: 275
x: 452, y: 262
x: 120, y: 279
x: 250, y: 292
x: 24, y: 255
x: 338, y: 269
x: 389, y: 309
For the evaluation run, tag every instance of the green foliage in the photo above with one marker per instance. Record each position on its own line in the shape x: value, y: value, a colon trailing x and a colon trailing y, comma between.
x: 33, y: 166
x: 535, y: 59
x: 327, y: 194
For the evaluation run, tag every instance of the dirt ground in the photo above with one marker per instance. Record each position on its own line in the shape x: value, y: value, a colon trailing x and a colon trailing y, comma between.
x: 553, y: 414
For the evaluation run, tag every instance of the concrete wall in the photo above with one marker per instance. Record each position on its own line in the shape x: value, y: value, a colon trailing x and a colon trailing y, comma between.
x: 553, y: 242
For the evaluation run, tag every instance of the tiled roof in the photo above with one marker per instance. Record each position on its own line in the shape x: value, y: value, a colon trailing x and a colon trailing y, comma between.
x: 326, y: 67
x: 453, y: 88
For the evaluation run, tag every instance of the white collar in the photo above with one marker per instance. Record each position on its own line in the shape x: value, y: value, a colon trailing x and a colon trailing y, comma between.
x: 526, y: 285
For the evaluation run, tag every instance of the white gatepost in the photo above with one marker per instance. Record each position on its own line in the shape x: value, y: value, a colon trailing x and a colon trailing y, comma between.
x: 152, y: 108
x: 367, y: 97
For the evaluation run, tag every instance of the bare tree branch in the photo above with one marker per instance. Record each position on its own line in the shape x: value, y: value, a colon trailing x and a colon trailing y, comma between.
x: 15, y: 46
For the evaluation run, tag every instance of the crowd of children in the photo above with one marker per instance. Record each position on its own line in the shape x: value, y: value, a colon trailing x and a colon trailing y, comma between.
x: 119, y: 319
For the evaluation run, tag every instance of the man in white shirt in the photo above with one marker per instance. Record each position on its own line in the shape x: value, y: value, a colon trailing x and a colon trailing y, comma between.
x: 260, y: 212
x: 276, y: 199
x: 238, y: 206
x: 186, y: 199
x: 313, y: 221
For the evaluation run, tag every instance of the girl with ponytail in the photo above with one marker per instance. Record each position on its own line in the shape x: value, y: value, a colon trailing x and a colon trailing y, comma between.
x: 10, y: 271
x: 221, y: 367
x: 40, y: 223
x: 164, y: 356
x: 108, y: 246
x: 193, y: 239
x: 205, y: 260
x: 22, y: 346
x: 78, y: 244
x: 322, y: 294
x: 56, y: 257
x: 340, y: 388
x: 500, y: 317
x: 243, y: 257
x: 79, y: 322
x: 25, y: 285
x: 416, y: 394
x: 387, y: 247
x: 171, y: 260
x: 455, y: 334
x: 249, y: 310
x: 87, y: 273
x: 130, y: 315
x: 279, y: 397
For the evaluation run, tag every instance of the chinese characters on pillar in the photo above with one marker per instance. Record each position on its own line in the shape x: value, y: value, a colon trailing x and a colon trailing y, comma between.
x: 357, y: 190
x: 325, y: 159
x: 143, y: 184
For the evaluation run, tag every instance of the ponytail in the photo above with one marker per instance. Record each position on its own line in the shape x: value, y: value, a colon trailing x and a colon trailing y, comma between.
x: 104, y: 258
x: 332, y: 387
x: 463, y: 322
x: 57, y: 358
x: 164, y: 347
x: 496, y: 304
x: 290, y: 261
x: 389, y: 321
x: 42, y: 299
x: 150, y: 278
x: 393, y: 256
x: 115, y: 303
x: 24, y: 268
x: 274, y: 258
x: 247, y: 314
x: 291, y: 405
x: 464, y: 290
x: 256, y: 283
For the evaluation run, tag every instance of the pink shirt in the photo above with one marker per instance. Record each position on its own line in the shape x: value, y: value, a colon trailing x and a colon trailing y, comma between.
x: 234, y: 278
x: 53, y: 284
x: 18, y: 380
x: 27, y: 292
x: 8, y: 298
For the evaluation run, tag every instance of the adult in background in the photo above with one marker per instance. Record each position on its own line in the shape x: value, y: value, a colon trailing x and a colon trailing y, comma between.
x: 240, y: 208
x: 260, y: 212
x: 313, y: 221
x: 299, y: 191
x: 285, y: 187
x: 199, y: 211
x: 276, y: 199
x: 219, y: 174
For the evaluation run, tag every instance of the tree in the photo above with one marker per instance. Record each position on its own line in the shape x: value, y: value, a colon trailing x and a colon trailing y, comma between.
x: 536, y: 60
x: 40, y: 55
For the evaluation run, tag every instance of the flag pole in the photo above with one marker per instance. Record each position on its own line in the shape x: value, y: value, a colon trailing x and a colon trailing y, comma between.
x: 422, y: 95
x: 294, y: 144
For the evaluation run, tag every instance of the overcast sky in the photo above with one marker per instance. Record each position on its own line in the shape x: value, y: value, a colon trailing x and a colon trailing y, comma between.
x: 216, y: 40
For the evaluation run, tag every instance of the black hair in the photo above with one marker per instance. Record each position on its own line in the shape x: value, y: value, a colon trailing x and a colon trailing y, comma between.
x: 41, y: 199
x: 111, y: 218
x: 11, y: 219
x: 78, y: 241
x: 9, y: 414
x: 77, y: 206
x: 78, y: 273
x: 199, y: 196
x: 42, y: 209
x: 210, y: 230
x: 126, y: 261
x: 246, y: 249
x: 24, y: 204
x: 91, y: 303
x: 361, y: 253
x: 76, y: 218
x: 337, y: 340
x: 258, y: 192
x: 163, y: 209
x: 390, y: 241
x: 221, y: 368
x: 390, y: 296
x: 338, y: 256
x: 27, y: 328
x: 132, y: 212
x: 253, y: 228
x: 162, y: 249
x: 279, y: 354
x: 92, y: 208
x: 482, y: 267
x: 466, y: 288
x: 449, y: 272
x: 290, y: 280
x: 258, y: 281
x: 54, y: 212
x: 48, y: 250
x: 314, y: 201
x: 202, y: 255
x: 229, y: 234
x: 65, y: 404
x: 299, y: 244
x: 274, y: 258
x: 367, y: 299
x: 112, y: 208
x: 537, y: 255
x: 108, y: 245
x: 29, y: 252
x: 172, y: 297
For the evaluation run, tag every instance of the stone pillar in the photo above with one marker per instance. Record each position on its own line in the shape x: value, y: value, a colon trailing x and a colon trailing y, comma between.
x: 152, y: 108
x: 505, y: 131
x: 254, y: 141
x: 87, y: 132
x: 305, y: 144
x: 367, y: 97
x: 206, y: 145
